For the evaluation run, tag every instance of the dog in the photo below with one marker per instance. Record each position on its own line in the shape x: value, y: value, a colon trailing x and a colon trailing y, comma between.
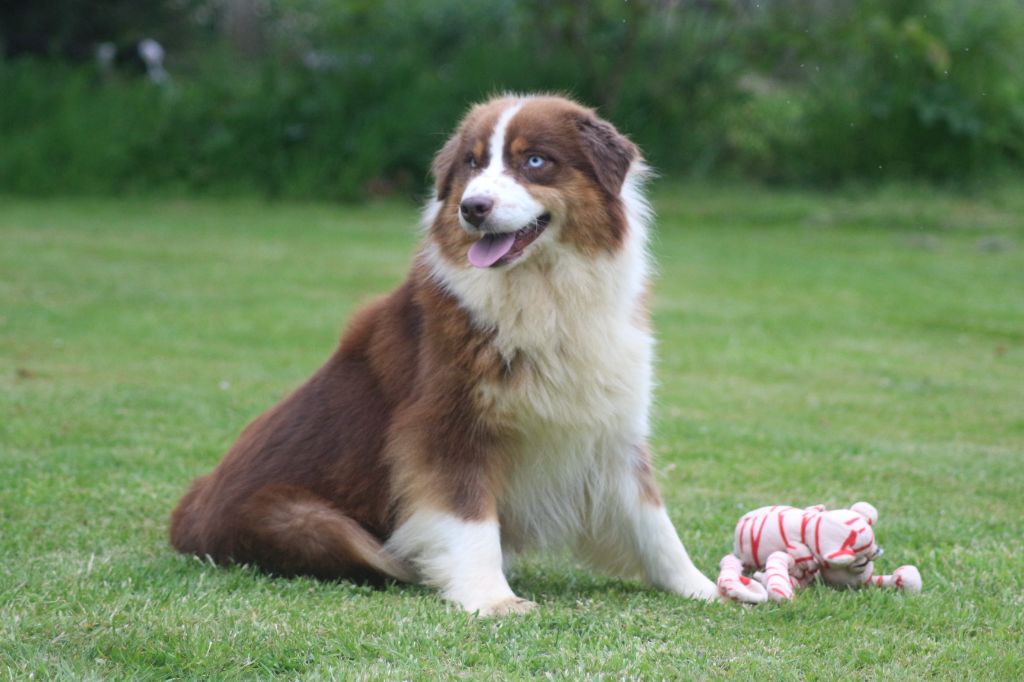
x: 496, y: 402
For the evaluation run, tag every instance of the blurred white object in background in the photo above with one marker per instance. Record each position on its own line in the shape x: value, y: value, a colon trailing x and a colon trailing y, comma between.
x: 152, y: 54
x: 106, y: 52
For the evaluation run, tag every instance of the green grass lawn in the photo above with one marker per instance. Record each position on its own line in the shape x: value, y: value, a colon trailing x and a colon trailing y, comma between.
x: 812, y: 349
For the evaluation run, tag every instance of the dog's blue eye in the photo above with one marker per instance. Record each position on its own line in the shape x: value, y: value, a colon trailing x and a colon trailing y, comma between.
x: 536, y: 161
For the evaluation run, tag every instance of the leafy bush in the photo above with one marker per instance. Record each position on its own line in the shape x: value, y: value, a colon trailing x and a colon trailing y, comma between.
x: 349, y: 99
x: 60, y: 132
x: 927, y: 88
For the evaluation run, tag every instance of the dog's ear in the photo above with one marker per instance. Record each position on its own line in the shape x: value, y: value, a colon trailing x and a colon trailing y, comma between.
x: 444, y: 165
x: 608, y: 151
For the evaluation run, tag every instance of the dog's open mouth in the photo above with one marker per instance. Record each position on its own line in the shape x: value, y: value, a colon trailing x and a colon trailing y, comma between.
x: 499, y: 249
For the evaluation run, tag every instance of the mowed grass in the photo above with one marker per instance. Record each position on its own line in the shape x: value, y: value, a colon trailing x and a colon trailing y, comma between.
x: 812, y: 349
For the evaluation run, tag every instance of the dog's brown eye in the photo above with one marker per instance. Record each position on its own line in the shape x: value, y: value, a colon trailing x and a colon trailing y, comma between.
x: 471, y: 161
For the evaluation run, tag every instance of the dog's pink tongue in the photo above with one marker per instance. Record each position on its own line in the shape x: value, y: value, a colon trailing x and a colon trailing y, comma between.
x: 489, y: 249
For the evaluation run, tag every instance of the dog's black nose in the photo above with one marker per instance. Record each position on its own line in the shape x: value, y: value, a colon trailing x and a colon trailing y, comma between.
x: 476, y: 209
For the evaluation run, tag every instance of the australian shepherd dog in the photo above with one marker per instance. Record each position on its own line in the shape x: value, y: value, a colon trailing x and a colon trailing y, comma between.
x: 497, y: 401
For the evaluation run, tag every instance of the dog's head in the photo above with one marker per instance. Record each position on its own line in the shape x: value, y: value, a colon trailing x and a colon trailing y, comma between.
x: 521, y: 173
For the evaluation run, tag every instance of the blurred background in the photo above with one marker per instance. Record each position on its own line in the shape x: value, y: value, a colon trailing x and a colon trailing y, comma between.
x: 342, y: 100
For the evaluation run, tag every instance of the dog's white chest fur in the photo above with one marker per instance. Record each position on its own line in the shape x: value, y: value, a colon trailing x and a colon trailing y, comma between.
x: 573, y: 331
x: 579, y: 359
x: 579, y: 405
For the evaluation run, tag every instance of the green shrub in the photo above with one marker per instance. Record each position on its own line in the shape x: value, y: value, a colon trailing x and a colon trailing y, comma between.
x: 350, y: 99
x: 924, y: 88
x: 60, y: 133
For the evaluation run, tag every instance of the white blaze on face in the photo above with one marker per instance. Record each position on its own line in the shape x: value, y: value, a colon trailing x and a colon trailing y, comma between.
x: 514, y: 208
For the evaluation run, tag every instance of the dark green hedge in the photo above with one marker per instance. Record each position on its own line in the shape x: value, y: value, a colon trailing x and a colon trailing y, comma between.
x: 353, y: 98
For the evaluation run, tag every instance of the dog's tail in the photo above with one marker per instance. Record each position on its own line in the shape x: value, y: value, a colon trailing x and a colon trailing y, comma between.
x: 286, y: 530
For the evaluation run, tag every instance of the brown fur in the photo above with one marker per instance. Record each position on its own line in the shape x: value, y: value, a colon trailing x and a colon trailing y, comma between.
x: 645, y: 476
x: 590, y: 163
x: 386, y: 421
x: 392, y: 422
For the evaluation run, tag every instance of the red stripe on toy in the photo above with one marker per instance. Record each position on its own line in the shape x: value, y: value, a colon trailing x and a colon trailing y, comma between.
x: 845, y: 549
x: 743, y: 526
x: 755, y: 541
x: 782, y: 532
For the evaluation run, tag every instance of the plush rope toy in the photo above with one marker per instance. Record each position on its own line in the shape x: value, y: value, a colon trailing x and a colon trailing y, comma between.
x: 786, y: 547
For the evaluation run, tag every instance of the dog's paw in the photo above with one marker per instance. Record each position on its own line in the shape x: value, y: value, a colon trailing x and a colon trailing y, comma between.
x: 506, y: 607
x: 702, y: 589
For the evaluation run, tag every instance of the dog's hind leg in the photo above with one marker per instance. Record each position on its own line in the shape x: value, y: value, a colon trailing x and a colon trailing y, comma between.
x: 286, y: 530
x: 289, y: 530
x: 186, y: 528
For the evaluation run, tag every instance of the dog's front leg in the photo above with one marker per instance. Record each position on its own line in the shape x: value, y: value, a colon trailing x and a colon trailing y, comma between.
x: 666, y: 563
x: 632, y: 534
x: 462, y: 558
x: 444, y: 481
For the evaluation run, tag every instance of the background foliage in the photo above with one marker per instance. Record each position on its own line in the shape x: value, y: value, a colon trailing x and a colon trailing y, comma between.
x: 309, y: 98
